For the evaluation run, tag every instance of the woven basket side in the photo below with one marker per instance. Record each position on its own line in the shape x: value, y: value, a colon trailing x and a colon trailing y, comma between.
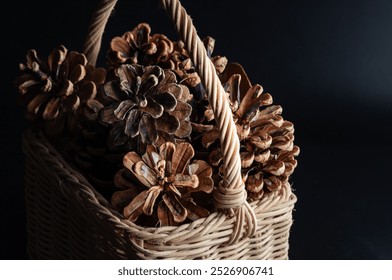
x: 60, y: 224
x: 50, y: 234
x: 68, y: 219
x: 202, y: 239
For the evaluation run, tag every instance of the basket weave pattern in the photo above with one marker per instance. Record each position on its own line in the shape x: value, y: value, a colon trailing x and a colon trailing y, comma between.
x: 68, y: 219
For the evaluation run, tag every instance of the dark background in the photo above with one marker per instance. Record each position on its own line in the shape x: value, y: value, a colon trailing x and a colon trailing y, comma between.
x: 328, y: 63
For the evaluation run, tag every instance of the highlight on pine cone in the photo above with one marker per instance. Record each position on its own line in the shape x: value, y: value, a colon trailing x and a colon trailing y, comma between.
x: 139, y: 47
x: 54, y: 88
x: 267, y: 148
x: 170, y: 179
x: 146, y: 103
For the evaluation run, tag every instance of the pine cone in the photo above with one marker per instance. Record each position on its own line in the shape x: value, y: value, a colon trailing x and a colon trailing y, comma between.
x: 55, y: 88
x: 179, y: 62
x: 146, y: 102
x: 267, y: 141
x: 139, y: 47
x: 171, y: 180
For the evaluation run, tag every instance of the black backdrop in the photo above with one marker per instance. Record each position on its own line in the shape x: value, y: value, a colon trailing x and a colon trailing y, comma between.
x: 328, y: 63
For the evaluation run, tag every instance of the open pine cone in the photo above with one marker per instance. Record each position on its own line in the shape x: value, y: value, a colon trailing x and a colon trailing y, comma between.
x: 145, y: 103
x: 180, y: 63
x: 170, y: 179
x: 267, y: 140
x: 139, y: 47
x: 55, y: 88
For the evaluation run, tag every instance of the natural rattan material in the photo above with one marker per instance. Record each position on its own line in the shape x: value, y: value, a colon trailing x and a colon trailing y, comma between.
x: 68, y: 219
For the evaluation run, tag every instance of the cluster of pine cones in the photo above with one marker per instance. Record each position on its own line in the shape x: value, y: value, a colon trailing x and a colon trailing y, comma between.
x: 142, y: 132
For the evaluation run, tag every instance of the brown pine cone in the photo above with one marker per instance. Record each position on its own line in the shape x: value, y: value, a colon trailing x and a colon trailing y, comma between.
x: 56, y: 88
x: 267, y: 140
x: 145, y: 103
x: 139, y: 47
x: 171, y: 180
x: 179, y: 62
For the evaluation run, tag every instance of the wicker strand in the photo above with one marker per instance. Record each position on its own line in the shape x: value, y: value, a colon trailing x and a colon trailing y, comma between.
x: 230, y: 194
x: 93, y: 41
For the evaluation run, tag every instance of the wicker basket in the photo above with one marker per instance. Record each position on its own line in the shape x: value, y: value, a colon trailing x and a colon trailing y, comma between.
x: 68, y: 219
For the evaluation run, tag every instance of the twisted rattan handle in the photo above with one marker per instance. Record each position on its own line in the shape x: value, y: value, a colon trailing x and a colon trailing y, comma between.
x: 231, y: 193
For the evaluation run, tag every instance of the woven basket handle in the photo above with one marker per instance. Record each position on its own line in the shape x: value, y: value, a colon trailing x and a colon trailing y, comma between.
x: 231, y: 193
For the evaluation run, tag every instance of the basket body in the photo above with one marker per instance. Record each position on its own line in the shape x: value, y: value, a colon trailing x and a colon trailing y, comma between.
x: 68, y: 219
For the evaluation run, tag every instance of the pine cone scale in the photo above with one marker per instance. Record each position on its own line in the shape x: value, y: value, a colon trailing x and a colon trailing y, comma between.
x: 78, y: 73
x: 167, y: 123
x: 134, y: 209
x: 177, y: 210
x: 123, y: 108
x: 166, y: 100
x: 147, y: 129
x: 152, y: 195
x: 132, y: 123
